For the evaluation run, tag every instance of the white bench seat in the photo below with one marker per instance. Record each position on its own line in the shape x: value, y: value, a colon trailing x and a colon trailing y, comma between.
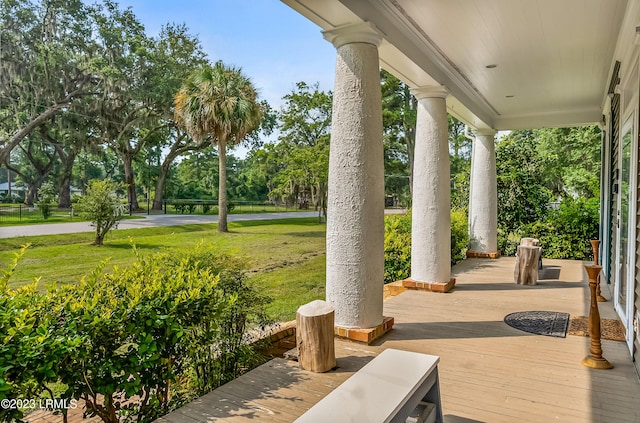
x: 387, y: 389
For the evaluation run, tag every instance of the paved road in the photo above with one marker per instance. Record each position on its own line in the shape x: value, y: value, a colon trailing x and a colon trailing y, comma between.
x: 148, y: 221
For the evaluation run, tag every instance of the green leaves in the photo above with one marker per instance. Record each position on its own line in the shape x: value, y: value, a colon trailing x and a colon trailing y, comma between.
x: 295, y: 170
x: 6, y: 273
x: 523, y: 197
x: 397, y: 243
x: 565, y: 233
x: 126, y: 336
x: 220, y: 102
x: 102, y: 207
x: 544, y: 165
x: 397, y: 247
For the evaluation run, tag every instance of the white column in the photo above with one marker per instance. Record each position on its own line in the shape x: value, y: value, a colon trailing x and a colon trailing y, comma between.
x: 431, y: 218
x: 483, y: 196
x: 355, y: 215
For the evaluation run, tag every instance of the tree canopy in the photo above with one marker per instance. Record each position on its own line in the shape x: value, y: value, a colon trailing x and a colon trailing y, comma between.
x: 295, y: 169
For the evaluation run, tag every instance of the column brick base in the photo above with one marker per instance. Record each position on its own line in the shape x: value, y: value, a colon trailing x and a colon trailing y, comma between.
x: 392, y: 289
x: 366, y: 336
x: 476, y: 254
x: 429, y: 286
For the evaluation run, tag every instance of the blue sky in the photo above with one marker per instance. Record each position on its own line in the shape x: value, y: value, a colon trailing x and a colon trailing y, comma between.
x: 273, y: 44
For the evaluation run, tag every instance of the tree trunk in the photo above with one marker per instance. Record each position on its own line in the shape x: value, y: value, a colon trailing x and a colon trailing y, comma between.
x: 314, y: 336
x: 42, y: 171
x: 222, y: 186
x: 322, y: 202
x: 129, y: 179
x: 313, y: 196
x: 162, y: 180
x: 176, y: 150
x: 31, y: 194
x: 64, y: 190
x: 9, y: 194
x: 410, y: 137
x: 35, y: 185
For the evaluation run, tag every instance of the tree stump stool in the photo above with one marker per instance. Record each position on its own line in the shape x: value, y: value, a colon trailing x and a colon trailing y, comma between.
x: 526, y: 271
x: 536, y: 243
x: 314, y: 336
x: 532, y: 242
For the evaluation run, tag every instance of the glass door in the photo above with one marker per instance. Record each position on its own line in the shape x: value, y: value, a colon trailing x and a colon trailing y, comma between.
x: 623, y: 300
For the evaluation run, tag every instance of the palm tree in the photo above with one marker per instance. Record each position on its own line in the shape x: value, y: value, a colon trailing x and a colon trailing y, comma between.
x: 219, y: 103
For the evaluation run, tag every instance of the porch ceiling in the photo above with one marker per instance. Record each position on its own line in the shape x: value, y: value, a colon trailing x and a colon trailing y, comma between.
x: 553, y: 58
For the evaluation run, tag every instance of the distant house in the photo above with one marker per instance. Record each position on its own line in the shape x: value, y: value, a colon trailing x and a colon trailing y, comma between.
x: 16, y: 190
x: 19, y: 190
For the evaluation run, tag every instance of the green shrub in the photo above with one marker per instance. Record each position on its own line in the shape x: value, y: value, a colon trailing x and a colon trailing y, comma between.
x: 564, y: 234
x: 229, y: 353
x: 397, y: 243
x: 45, y: 209
x: 32, y: 349
x: 102, y: 207
x: 459, y: 236
x: 508, y: 241
x: 47, y: 194
x: 568, y: 230
x: 135, y: 342
x: 397, y: 247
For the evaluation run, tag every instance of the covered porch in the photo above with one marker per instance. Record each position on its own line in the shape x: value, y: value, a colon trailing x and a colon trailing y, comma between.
x: 489, y: 372
x: 495, y: 65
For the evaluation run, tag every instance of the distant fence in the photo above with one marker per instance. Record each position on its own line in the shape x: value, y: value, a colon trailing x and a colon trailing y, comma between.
x: 194, y: 206
x: 20, y: 213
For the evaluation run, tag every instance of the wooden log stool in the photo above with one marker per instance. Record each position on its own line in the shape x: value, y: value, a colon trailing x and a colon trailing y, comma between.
x: 526, y: 271
x: 536, y: 243
x: 314, y: 336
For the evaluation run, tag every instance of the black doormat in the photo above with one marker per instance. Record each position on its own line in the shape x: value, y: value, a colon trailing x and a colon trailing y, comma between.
x: 549, y: 323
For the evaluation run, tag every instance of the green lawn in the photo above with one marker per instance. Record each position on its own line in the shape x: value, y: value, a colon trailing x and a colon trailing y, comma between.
x: 19, y: 214
x: 285, y: 257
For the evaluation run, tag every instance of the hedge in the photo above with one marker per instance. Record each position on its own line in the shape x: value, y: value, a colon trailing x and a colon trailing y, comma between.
x: 132, y: 343
x: 397, y: 243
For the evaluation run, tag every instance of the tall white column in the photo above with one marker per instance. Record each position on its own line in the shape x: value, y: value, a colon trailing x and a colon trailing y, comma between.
x: 431, y: 218
x: 483, y: 197
x: 355, y: 215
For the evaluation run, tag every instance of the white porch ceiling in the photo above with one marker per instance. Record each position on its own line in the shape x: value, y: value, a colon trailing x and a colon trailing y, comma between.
x: 554, y: 57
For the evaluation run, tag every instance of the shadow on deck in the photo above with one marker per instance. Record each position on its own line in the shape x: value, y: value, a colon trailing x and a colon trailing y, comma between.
x: 489, y: 372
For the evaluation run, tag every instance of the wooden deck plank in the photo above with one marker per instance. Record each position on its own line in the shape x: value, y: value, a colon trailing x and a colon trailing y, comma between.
x: 489, y: 372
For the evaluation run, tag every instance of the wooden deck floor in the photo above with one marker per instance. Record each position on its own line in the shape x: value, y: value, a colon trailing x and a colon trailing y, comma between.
x: 489, y: 372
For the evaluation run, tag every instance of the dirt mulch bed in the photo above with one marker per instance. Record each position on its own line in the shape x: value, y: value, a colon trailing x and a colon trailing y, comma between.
x: 610, y: 329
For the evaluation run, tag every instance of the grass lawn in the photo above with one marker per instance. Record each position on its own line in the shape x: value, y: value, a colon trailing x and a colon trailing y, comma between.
x: 55, y: 218
x: 285, y: 257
